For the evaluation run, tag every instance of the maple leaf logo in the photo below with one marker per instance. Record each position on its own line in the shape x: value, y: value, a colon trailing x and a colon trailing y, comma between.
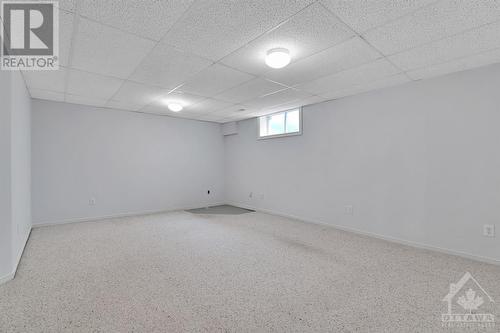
x: 469, y: 301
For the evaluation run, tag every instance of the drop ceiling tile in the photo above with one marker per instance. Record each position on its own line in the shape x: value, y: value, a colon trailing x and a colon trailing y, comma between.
x: 234, y: 111
x: 363, y: 74
x: 132, y: 93
x: 188, y: 101
x: 216, y: 28
x: 47, y: 95
x: 471, y: 42
x: 66, y: 20
x: 298, y: 103
x: 68, y: 5
x: 236, y: 108
x: 351, y: 53
x: 160, y: 109
x: 190, y: 116
x: 123, y: 105
x: 430, y: 23
x: 209, y: 105
x: 210, y: 117
x: 168, y: 67
x: 215, y: 79
x: 185, y: 99
x: 270, y: 101
x: 92, y: 85
x: 362, y: 15
x: 249, y: 90
x: 75, y: 99
x: 368, y: 86
x: 235, y: 118
x: 457, y: 65
x: 46, y: 80
x: 150, y: 19
x: 108, y: 51
x: 312, y: 30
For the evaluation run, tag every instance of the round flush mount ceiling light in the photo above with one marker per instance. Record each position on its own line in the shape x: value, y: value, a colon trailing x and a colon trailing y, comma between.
x: 174, y: 107
x: 278, y: 58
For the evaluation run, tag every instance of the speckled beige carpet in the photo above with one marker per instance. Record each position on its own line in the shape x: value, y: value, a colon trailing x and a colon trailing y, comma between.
x: 178, y: 272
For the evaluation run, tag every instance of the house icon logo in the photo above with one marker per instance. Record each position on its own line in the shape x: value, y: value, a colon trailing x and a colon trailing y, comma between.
x: 466, y: 300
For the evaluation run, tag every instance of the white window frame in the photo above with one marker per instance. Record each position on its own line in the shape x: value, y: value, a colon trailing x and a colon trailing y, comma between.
x: 283, y: 134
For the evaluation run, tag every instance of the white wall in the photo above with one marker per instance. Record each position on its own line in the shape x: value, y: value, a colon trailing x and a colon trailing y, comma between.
x: 129, y: 162
x: 418, y: 162
x: 20, y: 165
x: 5, y: 179
x: 15, y: 171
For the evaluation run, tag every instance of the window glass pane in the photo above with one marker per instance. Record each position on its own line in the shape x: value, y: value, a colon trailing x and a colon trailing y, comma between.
x: 293, y: 121
x: 276, y: 124
x: 263, y: 126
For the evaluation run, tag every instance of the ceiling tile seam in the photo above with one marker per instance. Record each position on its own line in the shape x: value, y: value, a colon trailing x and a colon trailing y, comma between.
x: 225, y: 90
x: 76, y: 23
x: 295, y: 86
x: 401, y: 17
x: 177, y: 49
x: 443, y: 38
x: 451, y: 60
x: 117, y: 28
x: 156, y: 99
x: 268, y: 79
x: 90, y: 72
x: 366, y: 82
x: 172, y: 26
x: 243, y: 83
x: 128, y: 79
x: 234, y: 68
x: 267, y: 31
x: 355, y: 32
x: 218, y: 100
x: 50, y: 91
x: 387, y: 58
x: 132, y: 111
x: 144, y: 84
x: 157, y: 42
x: 361, y: 85
x: 67, y: 10
x: 133, y: 33
x: 260, y: 96
x: 222, y: 91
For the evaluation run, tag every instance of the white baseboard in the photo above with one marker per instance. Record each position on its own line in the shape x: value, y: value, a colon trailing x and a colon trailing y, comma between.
x: 7, y: 277
x: 21, y: 250
x: 113, y: 216
x: 10, y: 276
x: 375, y: 235
x: 273, y: 212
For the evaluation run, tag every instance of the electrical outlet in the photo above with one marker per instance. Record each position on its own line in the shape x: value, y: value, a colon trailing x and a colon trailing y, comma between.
x: 489, y: 230
x: 349, y: 210
x: 92, y: 202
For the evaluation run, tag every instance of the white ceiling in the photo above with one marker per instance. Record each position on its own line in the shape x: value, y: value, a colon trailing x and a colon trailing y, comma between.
x: 209, y: 54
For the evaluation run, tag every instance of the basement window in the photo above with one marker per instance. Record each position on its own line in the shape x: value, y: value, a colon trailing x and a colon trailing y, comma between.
x: 280, y: 124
